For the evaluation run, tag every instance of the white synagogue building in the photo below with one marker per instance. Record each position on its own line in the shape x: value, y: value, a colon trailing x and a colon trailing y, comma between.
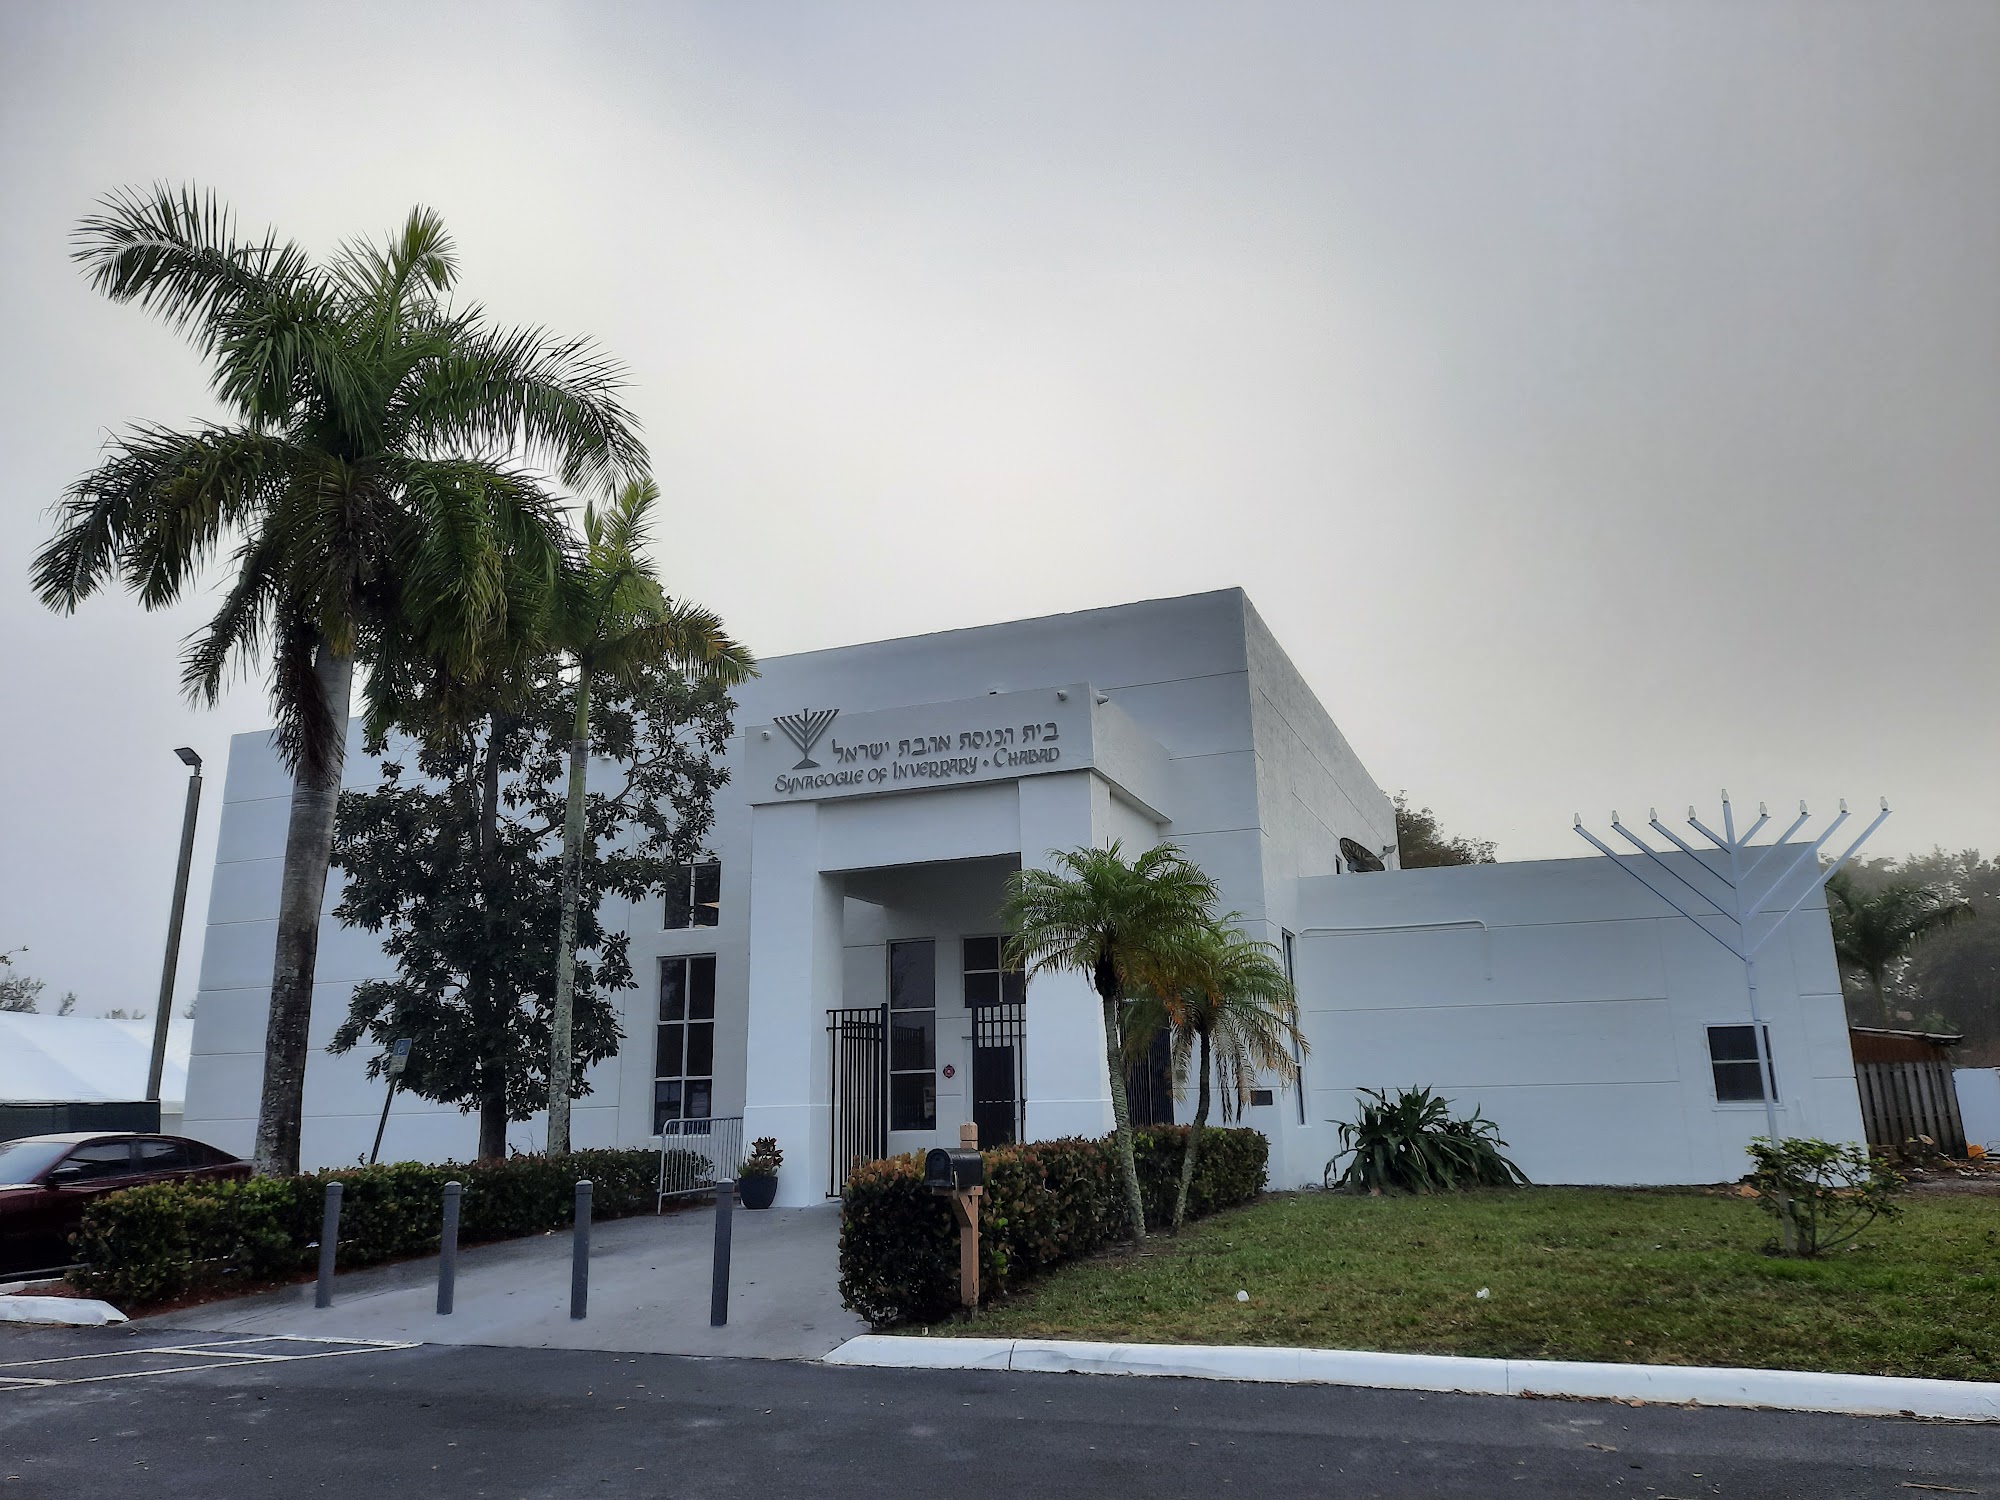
x: 833, y: 976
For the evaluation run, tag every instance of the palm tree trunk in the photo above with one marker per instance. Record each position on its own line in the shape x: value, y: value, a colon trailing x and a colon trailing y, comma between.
x: 301, y: 892
x: 1193, y: 1149
x: 1121, y: 1120
x: 572, y: 896
x: 491, y: 1029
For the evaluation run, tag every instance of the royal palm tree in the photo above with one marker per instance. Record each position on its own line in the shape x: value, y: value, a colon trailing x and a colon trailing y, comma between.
x: 1123, y: 924
x: 614, y: 622
x: 1872, y: 933
x: 1234, y: 1018
x: 371, y: 478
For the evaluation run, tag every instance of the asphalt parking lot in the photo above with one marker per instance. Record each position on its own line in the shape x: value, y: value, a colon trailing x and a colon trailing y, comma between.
x: 124, y: 1411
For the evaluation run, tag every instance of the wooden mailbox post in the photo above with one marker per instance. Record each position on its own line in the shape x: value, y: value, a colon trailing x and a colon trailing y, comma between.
x: 961, y: 1176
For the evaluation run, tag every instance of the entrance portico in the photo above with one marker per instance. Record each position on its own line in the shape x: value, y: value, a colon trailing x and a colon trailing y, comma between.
x: 880, y: 844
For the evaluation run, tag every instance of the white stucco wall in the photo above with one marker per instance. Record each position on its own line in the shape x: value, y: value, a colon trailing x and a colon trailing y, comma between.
x: 1570, y: 1004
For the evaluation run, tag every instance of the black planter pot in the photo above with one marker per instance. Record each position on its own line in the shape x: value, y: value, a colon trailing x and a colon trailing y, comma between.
x: 757, y: 1192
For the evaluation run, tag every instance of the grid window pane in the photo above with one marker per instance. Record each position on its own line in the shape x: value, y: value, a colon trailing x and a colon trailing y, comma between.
x: 673, y: 989
x: 1013, y: 987
x: 1739, y: 1074
x: 667, y: 1054
x: 707, y: 906
x: 913, y: 975
x: 912, y: 1101
x: 912, y: 1040
x: 684, y: 1049
x: 701, y: 1050
x: 982, y: 953
x: 981, y: 989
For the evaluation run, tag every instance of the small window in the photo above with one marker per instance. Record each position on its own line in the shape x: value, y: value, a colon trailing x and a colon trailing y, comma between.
x: 1261, y: 1096
x: 913, y: 1035
x: 694, y: 895
x: 1739, y: 1073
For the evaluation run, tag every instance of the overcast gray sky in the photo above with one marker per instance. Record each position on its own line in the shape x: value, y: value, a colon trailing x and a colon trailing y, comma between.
x: 1601, y: 401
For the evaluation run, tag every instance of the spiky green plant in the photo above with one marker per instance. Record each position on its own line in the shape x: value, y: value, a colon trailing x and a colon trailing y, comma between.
x: 1412, y: 1142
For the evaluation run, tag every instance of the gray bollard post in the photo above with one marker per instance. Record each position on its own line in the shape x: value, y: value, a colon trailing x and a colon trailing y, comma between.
x: 718, y: 1291
x: 579, y: 1264
x: 329, y: 1240
x: 448, y: 1247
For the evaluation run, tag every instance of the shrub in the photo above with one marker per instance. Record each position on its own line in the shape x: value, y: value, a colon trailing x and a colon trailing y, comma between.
x: 1413, y: 1143
x: 1045, y: 1203
x: 1834, y: 1191
x: 167, y: 1240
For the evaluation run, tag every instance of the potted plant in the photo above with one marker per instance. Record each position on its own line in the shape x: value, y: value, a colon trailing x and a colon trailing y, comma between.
x: 757, y: 1178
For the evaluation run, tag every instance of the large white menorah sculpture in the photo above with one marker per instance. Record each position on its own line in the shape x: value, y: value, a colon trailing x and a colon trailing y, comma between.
x: 1736, y: 907
x: 804, y: 730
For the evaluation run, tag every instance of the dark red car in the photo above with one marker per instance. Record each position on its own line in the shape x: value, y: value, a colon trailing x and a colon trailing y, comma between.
x: 46, y: 1180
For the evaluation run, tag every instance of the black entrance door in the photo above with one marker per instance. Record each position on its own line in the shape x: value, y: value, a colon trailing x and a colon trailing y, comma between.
x: 857, y: 1047
x: 997, y: 1033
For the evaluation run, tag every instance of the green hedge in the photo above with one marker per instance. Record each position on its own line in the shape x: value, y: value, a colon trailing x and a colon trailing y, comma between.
x: 153, y: 1244
x: 1045, y: 1203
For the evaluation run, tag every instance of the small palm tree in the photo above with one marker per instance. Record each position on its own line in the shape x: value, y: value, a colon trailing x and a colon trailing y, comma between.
x: 1234, y: 1018
x: 1873, y: 933
x: 1123, y: 924
x: 363, y: 482
x: 613, y: 621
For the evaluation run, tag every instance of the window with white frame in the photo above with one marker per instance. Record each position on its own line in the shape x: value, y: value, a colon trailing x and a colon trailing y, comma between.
x: 1739, y: 1072
x: 684, y: 1050
x: 694, y: 895
x: 913, y: 1035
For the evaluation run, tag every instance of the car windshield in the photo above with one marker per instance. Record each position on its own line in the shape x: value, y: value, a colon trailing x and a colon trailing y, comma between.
x: 21, y: 1162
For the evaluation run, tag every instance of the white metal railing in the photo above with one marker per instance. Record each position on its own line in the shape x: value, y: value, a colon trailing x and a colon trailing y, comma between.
x: 697, y: 1154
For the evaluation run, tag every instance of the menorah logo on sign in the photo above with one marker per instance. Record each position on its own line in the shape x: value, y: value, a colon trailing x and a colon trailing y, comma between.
x: 804, y: 731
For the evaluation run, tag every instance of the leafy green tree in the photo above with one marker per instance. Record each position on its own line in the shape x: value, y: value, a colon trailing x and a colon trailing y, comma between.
x: 1421, y: 844
x: 365, y: 482
x: 1875, y: 931
x: 615, y: 624
x: 460, y: 867
x: 1125, y: 925
x: 1233, y: 1016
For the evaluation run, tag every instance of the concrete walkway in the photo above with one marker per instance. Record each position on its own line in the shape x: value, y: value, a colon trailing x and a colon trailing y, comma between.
x: 649, y: 1292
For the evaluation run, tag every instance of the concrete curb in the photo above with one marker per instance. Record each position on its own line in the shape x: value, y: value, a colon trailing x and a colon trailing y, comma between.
x: 75, y: 1312
x: 1786, y: 1390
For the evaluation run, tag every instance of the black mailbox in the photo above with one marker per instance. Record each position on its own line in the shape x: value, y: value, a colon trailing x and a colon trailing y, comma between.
x: 953, y: 1171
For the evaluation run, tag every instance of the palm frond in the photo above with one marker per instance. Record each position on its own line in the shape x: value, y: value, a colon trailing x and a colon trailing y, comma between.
x: 175, y: 252
x: 556, y: 400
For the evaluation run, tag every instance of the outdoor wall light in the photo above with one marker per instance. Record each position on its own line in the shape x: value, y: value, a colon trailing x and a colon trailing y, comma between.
x: 1062, y: 696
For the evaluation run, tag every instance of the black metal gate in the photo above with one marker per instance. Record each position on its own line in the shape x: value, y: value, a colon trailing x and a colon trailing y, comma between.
x: 997, y: 1035
x: 857, y: 1055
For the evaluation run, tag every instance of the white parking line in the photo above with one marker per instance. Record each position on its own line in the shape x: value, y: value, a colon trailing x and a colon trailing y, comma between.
x: 215, y: 1354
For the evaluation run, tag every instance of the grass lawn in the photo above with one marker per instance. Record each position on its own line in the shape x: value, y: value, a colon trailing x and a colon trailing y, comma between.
x: 1666, y: 1277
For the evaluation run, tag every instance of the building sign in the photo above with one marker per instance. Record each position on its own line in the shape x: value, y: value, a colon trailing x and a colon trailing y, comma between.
x: 821, y: 752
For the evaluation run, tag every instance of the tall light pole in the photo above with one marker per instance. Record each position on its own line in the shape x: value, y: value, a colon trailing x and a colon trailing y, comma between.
x: 165, y: 1012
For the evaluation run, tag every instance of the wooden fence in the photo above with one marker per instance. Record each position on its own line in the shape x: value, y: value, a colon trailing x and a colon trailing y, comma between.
x: 1902, y: 1100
